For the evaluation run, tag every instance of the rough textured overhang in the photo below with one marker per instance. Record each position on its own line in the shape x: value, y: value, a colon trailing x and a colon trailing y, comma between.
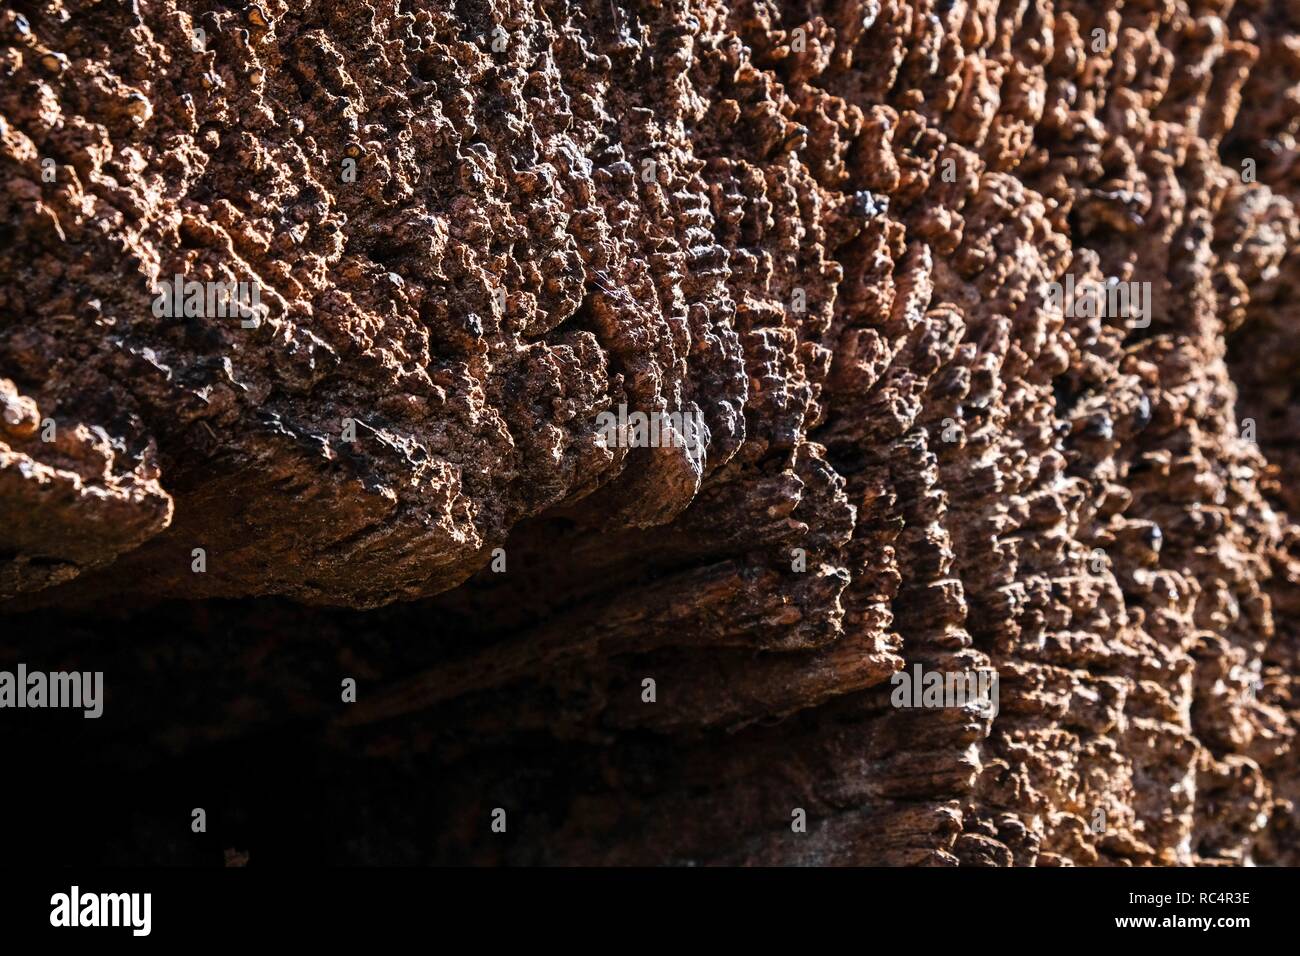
x: 828, y: 229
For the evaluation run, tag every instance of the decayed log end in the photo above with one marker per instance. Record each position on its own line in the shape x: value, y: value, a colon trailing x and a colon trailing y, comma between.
x: 965, y: 339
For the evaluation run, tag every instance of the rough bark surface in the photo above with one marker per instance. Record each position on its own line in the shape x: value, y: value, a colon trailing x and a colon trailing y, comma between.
x: 739, y: 209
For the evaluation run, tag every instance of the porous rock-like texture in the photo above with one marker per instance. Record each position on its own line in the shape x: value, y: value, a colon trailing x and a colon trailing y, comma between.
x: 829, y: 228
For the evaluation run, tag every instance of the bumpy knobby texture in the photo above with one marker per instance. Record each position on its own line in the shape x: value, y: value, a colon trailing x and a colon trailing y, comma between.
x: 829, y: 229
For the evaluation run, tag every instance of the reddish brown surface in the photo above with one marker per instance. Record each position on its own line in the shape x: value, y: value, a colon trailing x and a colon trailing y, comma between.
x: 653, y: 185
